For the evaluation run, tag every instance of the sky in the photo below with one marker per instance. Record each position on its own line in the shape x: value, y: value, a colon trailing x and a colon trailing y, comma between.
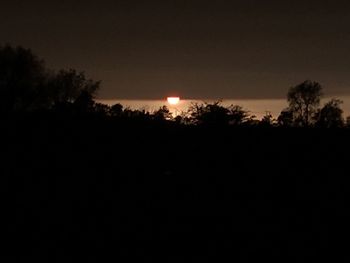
x: 238, y: 49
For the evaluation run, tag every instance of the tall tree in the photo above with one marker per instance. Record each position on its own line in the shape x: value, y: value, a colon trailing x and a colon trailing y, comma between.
x: 304, y: 100
x: 22, y: 80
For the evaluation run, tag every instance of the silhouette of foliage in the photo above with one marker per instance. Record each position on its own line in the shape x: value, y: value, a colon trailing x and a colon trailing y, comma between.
x: 162, y: 114
x: 238, y: 116
x: 101, y: 110
x: 22, y: 80
x: 303, y: 102
x: 136, y: 115
x: 69, y: 85
x: 184, y: 118
x: 26, y: 85
x: 285, y: 119
x: 214, y: 114
x: 267, y: 120
x: 84, y: 103
x: 331, y: 115
x: 116, y: 110
x: 210, y: 114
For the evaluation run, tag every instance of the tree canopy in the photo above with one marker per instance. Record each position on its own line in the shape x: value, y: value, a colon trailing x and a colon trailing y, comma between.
x: 22, y: 80
x: 303, y: 101
x: 27, y: 85
x: 331, y: 115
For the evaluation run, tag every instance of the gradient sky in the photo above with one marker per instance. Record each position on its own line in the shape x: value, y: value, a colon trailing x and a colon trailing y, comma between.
x: 197, y: 49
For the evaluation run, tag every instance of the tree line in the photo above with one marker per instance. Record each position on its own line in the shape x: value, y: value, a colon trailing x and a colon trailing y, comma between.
x: 27, y: 86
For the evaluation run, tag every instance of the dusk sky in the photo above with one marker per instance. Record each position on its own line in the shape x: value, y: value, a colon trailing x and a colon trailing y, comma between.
x: 195, y: 49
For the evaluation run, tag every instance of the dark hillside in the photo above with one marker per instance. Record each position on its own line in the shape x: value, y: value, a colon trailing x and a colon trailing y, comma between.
x: 104, y: 188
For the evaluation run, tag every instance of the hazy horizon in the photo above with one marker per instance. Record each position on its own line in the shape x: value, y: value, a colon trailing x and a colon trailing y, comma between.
x: 257, y: 107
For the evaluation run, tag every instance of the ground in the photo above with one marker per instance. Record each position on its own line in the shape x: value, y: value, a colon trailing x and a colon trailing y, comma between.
x: 98, y: 188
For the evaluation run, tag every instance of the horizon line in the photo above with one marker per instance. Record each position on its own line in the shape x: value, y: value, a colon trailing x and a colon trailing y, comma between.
x: 211, y: 99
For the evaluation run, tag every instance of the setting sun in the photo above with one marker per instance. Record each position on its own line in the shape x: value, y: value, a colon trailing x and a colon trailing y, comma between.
x: 173, y: 100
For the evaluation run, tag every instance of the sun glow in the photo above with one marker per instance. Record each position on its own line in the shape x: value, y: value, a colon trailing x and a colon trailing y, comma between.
x: 173, y: 100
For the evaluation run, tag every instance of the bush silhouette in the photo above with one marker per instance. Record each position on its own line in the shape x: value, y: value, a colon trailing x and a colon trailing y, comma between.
x: 214, y: 114
x: 162, y: 114
x: 331, y: 115
x: 285, y: 119
x: 267, y: 120
x: 116, y: 110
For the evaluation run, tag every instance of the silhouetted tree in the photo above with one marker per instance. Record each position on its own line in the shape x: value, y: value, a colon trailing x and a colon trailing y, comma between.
x: 238, y: 116
x: 194, y: 113
x: 331, y: 115
x: 84, y: 103
x: 22, y: 80
x: 25, y: 85
x: 116, y: 110
x: 184, y: 118
x: 214, y: 114
x: 303, y: 102
x: 68, y: 85
x: 101, y: 110
x: 209, y: 114
x: 162, y: 114
x: 136, y: 115
x: 285, y: 119
x: 267, y: 120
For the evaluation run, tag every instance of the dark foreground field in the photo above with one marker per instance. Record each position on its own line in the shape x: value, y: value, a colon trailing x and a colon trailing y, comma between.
x: 99, y: 191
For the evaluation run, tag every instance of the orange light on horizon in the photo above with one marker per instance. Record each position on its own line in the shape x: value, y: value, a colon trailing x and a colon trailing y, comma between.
x: 173, y: 100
